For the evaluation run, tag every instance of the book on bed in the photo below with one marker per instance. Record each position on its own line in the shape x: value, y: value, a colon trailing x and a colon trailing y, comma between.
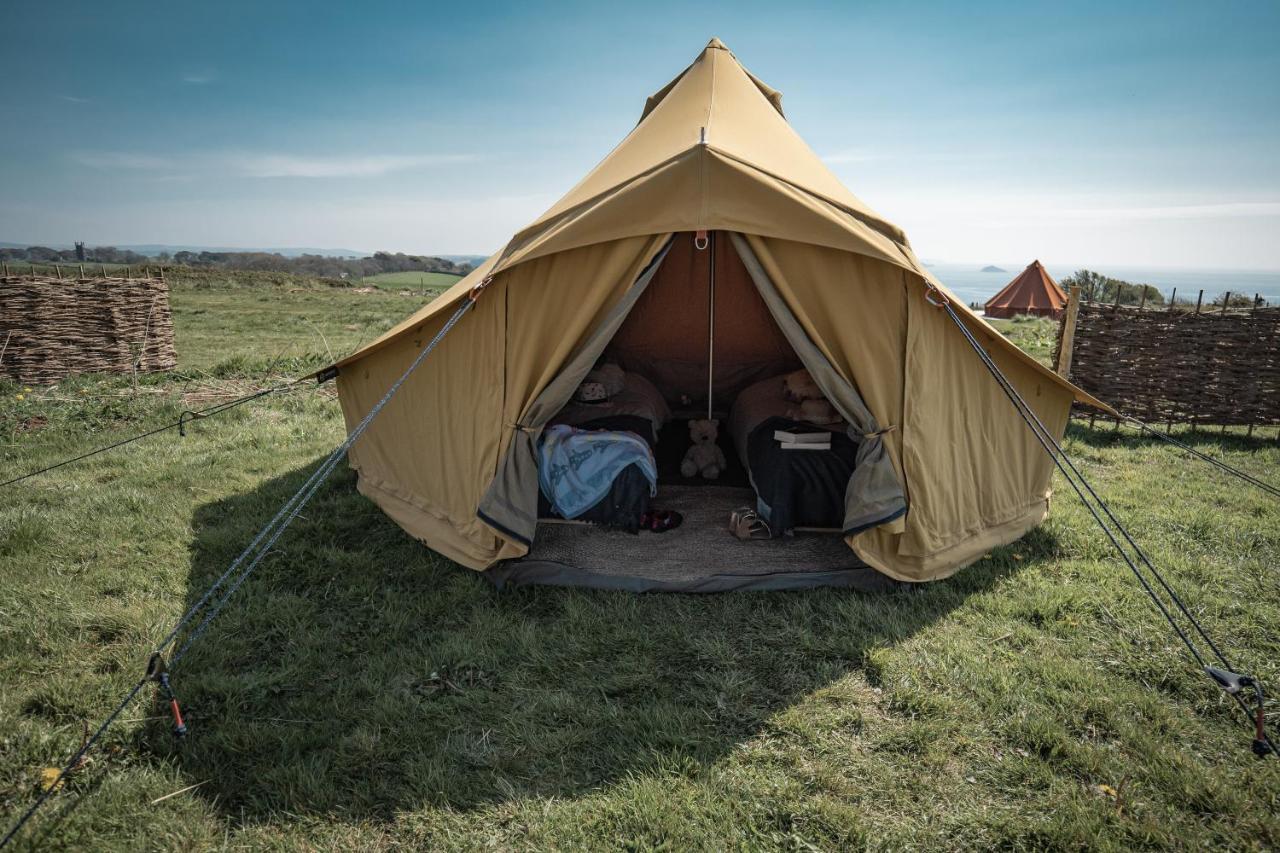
x: 807, y: 445
x: 802, y: 435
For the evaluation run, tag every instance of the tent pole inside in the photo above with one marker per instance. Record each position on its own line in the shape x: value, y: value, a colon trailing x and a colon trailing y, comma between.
x: 711, y: 319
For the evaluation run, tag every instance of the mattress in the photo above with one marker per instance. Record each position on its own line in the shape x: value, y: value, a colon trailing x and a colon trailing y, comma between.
x: 794, y: 488
x: 638, y: 399
x: 755, y: 405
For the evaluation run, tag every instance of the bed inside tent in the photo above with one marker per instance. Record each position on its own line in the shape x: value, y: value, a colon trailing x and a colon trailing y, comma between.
x: 702, y: 335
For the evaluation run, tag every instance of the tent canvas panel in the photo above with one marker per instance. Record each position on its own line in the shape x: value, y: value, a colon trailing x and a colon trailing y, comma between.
x: 545, y: 368
x: 874, y: 324
x: 433, y: 452
x: 980, y: 471
x: 432, y: 491
x: 666, y: 336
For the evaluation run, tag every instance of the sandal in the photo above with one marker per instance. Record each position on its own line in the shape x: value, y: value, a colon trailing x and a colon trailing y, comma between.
x: 660, y: 521
x: 745, y: 523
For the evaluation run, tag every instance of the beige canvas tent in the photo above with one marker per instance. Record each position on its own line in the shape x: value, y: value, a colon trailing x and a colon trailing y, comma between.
x: 806, y: 274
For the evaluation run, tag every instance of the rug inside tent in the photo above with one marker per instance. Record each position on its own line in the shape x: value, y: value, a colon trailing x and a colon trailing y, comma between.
x: 699, y: 556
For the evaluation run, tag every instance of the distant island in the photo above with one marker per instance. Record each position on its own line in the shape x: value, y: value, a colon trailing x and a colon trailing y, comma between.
x: 990, y: 268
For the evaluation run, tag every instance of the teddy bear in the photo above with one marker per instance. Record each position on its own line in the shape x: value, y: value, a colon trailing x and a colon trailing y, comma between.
x: 812, y: 407
x: 704, y: 456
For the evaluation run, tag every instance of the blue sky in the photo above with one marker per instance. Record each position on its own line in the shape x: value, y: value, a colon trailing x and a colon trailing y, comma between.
x: 1091, y: 133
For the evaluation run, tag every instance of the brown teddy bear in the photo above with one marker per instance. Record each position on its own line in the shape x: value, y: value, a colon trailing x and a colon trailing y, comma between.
x: 812, y: 407
x: 704, y: 456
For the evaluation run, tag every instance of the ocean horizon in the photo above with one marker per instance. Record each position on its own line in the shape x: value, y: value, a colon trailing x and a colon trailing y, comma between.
x: 971, y: 284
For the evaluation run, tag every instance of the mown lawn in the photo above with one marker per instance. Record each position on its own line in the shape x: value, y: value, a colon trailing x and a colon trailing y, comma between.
x: 420, y: 280
x: 361, y: 693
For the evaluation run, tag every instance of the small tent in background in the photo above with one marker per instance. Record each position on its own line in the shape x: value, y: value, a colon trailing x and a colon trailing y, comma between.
x: 1034, y: 293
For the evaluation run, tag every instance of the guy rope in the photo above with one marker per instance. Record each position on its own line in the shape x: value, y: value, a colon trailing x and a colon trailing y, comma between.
x: 1217, y: 463
x: 158, y: 669
x: 1234, y: 684
x: 180, y: 424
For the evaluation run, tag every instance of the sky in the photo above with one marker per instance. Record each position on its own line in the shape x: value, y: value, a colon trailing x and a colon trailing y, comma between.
x: 1135, y: 134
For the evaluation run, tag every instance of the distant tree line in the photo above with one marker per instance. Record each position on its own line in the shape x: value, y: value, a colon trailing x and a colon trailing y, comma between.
x: 318, y: 266
x: 98, y: 255
x: 1096, y: 287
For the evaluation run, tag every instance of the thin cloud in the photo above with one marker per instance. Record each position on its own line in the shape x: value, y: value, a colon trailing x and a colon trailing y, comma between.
x: 266, y: 165
x: 74, y: 100
x: 121, y: 160
x: 198, y: 78
x: 1226, y: 210
x: 358, y: 166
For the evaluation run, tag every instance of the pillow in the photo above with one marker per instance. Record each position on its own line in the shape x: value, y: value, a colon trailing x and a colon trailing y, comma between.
x: 600, y: 384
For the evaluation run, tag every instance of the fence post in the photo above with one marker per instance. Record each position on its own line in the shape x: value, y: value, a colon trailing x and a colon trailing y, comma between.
x: 1226, y: 300
x: 1199, y: 301
x: 1067, y: 341
x: 1173, y: 297
x: 1143, y: 304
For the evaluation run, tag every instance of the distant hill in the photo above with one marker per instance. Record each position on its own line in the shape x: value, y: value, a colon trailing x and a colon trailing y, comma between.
x: 472, y: 260
x: 322, y: 263
x: 993, y: 269
x: 153, y: 249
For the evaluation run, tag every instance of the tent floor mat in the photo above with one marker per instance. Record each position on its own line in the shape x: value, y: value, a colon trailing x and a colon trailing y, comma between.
x: 700, y: 555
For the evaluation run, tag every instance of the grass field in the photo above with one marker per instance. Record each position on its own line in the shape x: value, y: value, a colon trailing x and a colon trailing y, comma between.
x: 361, y: 693
x: 418, y: 280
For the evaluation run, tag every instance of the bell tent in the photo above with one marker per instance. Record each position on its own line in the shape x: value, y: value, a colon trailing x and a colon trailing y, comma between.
x: 1033, y: 293
x: 708, y: 251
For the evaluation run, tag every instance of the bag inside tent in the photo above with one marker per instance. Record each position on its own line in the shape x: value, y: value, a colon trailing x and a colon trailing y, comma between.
x: 624, y: 500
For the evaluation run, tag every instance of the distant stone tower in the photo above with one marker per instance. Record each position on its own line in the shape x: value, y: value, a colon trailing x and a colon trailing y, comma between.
x: 80, y: 251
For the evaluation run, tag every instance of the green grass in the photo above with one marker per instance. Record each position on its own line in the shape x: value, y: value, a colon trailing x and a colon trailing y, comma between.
x: 1035, y: 335
x: 362, y: 693
x: 418, y: 280
x: 234, y: 329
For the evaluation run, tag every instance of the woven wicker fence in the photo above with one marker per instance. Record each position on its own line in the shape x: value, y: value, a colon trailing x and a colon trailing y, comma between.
x: 52, y: 328
x: 1166, y: 366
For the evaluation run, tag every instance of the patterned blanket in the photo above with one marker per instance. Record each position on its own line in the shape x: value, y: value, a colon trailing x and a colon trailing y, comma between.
x: 577, y: 467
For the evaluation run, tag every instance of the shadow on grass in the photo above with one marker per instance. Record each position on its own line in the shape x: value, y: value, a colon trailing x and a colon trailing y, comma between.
x: 1205, y: 439
x: 356, y: 673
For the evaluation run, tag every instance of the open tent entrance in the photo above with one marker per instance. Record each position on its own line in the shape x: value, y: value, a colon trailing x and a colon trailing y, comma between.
x: 702, y: 333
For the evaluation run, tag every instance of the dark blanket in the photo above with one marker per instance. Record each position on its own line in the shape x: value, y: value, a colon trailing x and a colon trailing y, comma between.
x: 801, y: 488
x: 628, y: 498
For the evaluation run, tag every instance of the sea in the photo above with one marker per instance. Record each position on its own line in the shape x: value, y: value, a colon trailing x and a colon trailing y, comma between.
x: 971, y: 284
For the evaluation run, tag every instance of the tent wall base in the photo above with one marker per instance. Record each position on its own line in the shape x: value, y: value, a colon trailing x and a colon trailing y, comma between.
x: 542, y: 572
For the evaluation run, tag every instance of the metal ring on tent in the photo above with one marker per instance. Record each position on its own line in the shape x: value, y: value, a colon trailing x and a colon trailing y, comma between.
x: 701, y: 241
x: 930, y: 290
x: 475, y: 291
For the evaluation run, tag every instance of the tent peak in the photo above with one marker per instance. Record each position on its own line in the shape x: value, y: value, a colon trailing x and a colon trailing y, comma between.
x: 715, y: 44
